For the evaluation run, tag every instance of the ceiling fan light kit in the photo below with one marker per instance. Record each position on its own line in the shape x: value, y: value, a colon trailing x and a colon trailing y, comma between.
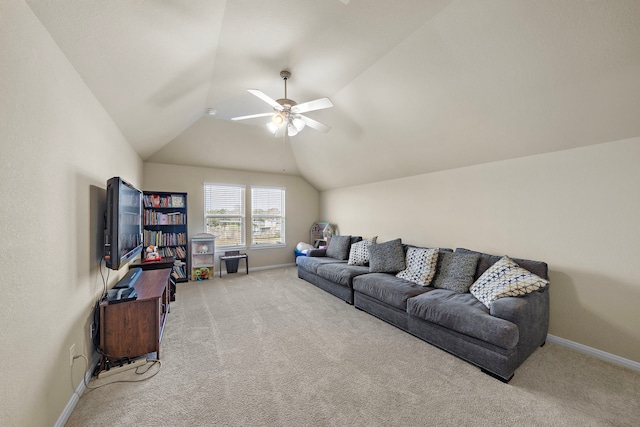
x: 287, y: 117
x: 278, y: 119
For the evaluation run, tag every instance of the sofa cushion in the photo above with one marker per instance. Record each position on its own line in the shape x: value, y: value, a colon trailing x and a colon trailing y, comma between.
x: 341, y: 273
x: 388, y: 289
x: 359, y: 252
x: 387, y: 257
x: 421, y: 265
x: 311, y: 264
x: 464, y: 314
x: 538, y: 268
x: 505, y: 278
x: 317, y: 252
x: 406, y: 247
x: 339, y: 247
x: 456, y: 271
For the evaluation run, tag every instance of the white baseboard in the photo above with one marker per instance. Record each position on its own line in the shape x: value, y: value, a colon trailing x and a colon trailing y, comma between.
x: 266, y: 267
x: 628, y: 363
x: 269, y: 267
x: 75, y: 397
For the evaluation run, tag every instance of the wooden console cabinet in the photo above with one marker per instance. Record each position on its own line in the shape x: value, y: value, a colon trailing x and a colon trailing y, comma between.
x: 134, y: 328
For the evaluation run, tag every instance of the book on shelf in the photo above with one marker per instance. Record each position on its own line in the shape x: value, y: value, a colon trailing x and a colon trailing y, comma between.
x: 152, y: 217
x: 179, y: 269
x: 159, y: 238
x: 175, y: 252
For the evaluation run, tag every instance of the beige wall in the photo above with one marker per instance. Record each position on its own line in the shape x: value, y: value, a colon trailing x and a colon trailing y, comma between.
x: 59, y: 147
x: 577, y: 210
x: 302, y: 202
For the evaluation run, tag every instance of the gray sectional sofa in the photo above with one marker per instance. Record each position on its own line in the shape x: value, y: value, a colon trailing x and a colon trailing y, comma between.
x: 333, y: 274
x: 497, y: 336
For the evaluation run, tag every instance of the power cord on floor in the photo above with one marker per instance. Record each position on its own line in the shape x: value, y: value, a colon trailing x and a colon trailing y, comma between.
x: 137, y: 371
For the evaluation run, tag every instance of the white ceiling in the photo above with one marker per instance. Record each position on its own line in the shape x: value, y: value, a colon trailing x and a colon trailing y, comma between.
x: 418, y: 86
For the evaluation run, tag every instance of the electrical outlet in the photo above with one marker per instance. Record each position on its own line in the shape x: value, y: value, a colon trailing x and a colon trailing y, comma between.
x: 72, y: 353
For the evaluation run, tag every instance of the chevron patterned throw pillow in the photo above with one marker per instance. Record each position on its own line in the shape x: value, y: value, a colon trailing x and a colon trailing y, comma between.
x: 505, y: 278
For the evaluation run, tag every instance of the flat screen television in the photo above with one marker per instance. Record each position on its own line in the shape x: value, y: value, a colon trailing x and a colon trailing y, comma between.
x: 123, y: 223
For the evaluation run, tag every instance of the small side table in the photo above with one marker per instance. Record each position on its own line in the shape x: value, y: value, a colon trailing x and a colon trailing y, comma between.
x: 234, y: 256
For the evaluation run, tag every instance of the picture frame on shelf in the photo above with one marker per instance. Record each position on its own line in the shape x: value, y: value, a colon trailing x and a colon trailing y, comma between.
x: 177, y: 201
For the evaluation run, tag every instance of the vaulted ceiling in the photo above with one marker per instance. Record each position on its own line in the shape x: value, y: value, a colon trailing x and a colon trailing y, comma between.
x: 417, y: 86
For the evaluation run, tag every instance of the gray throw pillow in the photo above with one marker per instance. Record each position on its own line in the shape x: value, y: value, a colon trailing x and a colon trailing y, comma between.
x: 387, y: 257
x: 456, y: 271
x: 339, y: 247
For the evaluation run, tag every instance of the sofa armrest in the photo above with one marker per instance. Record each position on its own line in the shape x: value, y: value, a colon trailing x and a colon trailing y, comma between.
x: 524, y: 310
x: 530, y: 313
x: 317, y: 252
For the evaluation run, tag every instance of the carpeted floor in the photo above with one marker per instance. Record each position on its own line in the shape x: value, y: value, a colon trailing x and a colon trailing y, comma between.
x: 269, y: 349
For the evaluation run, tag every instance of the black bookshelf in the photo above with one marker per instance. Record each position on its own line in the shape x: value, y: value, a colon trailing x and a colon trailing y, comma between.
x: 165, y: 226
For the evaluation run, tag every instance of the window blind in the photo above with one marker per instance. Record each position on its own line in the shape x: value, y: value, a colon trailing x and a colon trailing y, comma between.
x: 267, y: 216
x: 224, y: 209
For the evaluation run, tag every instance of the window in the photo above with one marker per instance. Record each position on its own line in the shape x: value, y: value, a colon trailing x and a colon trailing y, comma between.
x: 224, y: 213
x: 267, y: 216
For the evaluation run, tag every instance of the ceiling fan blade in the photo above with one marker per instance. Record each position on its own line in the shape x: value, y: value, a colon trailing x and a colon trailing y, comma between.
x: 316, y: 124
x: 317, y: 104
x: 252, y: 116
x: 265, y: 98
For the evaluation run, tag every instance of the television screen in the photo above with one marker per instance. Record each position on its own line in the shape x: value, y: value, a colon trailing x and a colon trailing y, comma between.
x: 123, y: 231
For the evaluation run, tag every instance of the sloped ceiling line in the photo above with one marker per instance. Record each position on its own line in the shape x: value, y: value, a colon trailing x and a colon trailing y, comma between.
x: 426, y: 85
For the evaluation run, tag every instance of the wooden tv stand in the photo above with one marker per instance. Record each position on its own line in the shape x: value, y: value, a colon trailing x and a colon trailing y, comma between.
x: 134, y: 328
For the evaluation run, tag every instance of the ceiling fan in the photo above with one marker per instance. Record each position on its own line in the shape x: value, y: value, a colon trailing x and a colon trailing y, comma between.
x: 287, y: 117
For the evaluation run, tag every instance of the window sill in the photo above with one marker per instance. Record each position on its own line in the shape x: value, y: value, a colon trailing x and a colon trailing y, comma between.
x: 268, y: 246
x: 222, y: 249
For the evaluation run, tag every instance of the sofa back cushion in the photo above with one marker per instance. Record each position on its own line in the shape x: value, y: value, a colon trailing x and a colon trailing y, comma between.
x: 406, y: 247
x: 339, y: 247
x: 538, y: 268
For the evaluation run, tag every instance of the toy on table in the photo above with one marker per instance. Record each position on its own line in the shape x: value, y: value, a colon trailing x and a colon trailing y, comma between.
x: 151, y: 254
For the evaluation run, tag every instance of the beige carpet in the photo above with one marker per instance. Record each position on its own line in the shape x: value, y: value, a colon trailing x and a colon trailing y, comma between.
x: 270, y: 349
